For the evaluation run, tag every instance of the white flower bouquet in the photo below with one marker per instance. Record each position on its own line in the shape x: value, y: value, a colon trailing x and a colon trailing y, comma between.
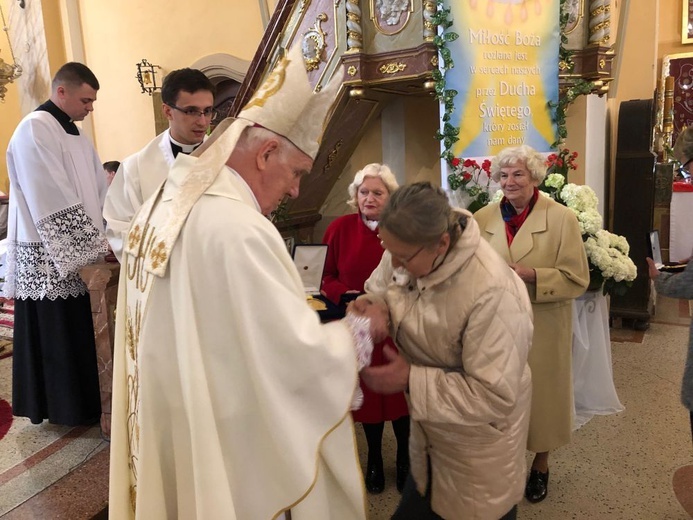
x: 610, y: 266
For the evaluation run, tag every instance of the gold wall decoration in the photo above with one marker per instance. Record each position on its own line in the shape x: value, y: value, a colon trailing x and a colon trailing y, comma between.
x: 392, y: 68
x: 352, y: 71
x: 8, y: 73
x: 314, y: 44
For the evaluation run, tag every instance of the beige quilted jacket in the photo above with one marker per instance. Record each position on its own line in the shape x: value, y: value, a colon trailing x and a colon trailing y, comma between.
x: 466, y: 329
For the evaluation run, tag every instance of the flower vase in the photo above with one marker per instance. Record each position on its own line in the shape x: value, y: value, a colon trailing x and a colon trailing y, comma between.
x: 459, y: 199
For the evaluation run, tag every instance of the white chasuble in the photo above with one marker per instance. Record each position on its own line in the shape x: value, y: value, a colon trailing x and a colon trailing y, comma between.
x: 230, y: 399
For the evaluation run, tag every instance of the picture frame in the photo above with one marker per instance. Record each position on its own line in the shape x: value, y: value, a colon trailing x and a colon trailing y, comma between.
x: 686, y: 21
x: 575, y: 9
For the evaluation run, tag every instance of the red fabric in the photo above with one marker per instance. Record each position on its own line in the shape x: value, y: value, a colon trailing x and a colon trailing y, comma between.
x: 353, y: 253
x: 514, y: 223
x: 682, y: 186
x: 5, y: 417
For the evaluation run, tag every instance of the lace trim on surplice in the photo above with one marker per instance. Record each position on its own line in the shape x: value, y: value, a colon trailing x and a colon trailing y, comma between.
x: 50, y: 269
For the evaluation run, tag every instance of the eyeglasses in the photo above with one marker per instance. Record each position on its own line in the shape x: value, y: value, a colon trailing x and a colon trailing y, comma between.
x: 400, y: 259
x: 207, y: 113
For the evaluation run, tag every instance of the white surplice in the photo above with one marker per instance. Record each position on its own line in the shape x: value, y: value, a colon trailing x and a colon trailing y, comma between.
x: 137, y: 179
x: 230, y: 399
x: 54, y: 220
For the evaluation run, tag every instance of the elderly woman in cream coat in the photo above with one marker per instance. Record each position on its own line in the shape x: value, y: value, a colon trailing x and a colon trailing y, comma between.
x: 541, y: 240
x: 462, y: 322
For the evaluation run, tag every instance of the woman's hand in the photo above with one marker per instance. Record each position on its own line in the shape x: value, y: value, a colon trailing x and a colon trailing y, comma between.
x: 378, y: 314
x: 652, y: 269
x: 526, y: 274
x: 389, y: 378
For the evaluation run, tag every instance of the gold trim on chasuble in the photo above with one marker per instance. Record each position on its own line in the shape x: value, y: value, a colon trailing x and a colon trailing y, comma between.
x: 140, y: 240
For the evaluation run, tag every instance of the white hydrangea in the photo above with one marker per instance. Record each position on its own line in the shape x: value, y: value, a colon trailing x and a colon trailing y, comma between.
x: 605, y: 252
x: 590, y: 222
x: 555, y: 180
x: 579, y: 198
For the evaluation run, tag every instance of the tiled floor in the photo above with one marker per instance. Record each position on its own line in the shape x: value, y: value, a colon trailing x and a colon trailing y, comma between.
x: 618, y: 467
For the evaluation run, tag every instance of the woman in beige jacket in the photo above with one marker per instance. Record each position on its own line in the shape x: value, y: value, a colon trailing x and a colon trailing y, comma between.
x: 541, y: 241
x: 462, y: 321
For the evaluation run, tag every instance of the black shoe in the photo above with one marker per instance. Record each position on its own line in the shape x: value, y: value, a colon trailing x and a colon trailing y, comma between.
x: 375, y: 478
x: 537, y: 486
x: 402, y: 472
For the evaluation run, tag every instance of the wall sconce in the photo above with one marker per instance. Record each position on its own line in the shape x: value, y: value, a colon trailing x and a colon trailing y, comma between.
x: 147, y: 76
x: 8, y: 73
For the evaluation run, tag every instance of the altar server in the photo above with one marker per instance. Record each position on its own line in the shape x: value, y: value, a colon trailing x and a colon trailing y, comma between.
x: 188, y: 104
x: 55, y: 228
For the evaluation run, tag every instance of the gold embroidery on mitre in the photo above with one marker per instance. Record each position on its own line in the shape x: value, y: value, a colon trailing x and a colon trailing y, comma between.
x: 158, y: 255
x: 271, y: 86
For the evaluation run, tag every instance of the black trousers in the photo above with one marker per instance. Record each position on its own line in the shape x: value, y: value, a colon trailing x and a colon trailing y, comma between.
x: 413, y: 506
x: 54, y: 370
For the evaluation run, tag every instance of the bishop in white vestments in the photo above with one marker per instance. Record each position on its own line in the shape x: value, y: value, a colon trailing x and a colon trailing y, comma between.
x: 231, y: 400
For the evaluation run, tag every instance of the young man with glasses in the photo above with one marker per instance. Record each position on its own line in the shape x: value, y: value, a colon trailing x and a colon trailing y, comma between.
x: 188, y: 104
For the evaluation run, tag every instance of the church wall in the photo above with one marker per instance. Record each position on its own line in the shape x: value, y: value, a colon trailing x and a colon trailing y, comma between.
x: 670, y: 31
x: 169, y: 33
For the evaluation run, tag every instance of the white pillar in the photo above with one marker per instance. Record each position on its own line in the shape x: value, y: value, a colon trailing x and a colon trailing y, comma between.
x: 595, y: 147
x: 393, y: 123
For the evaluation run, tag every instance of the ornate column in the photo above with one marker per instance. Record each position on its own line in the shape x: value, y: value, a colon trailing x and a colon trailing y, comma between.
x: 354, y: 31
x: 429, y: 27
x: 600, y: 22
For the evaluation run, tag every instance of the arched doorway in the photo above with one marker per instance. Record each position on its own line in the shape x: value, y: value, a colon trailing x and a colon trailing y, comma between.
x: 227, y: 73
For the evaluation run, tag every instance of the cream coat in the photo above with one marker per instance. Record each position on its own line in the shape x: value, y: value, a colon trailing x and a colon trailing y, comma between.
x: 466, y: 329
x: 551, y: 243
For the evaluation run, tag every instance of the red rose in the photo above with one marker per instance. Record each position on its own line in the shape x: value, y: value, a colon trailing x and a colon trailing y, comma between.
x: 466, y: 176
x: 455, y: 162
x: 469, y: 162
x: 486, y: 165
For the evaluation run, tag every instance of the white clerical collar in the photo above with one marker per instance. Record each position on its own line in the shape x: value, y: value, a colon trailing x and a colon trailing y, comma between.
x: 187, y: 148
x: 246, y: 186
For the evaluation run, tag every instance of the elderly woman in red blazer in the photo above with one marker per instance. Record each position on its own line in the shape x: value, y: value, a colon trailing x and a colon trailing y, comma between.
x: 353, y: 253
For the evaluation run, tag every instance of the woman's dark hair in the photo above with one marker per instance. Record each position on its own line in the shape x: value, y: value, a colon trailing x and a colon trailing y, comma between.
x: 420, y: 213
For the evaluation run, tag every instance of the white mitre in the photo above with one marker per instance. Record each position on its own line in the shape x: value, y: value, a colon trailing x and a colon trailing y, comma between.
x: 285, y: 103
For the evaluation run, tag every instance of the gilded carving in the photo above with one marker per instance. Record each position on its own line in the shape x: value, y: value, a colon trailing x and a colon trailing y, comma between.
x: 352, y: 71
x: 332, y: 156
x: 602, y: 63
x: 434, y: 61
x: 393, y: 68
x: 314, y: 44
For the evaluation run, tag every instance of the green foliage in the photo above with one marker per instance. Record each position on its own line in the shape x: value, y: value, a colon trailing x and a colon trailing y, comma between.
x: 445, y: 96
